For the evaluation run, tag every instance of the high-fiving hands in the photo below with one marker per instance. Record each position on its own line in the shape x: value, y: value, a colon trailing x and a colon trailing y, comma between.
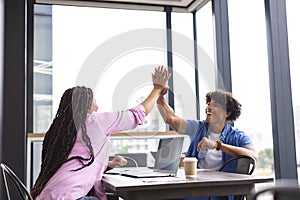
x: 160, y: 77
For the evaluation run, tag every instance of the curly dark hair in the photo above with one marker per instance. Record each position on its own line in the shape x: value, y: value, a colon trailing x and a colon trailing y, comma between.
x: 228, y: 103
x: 61, y: 136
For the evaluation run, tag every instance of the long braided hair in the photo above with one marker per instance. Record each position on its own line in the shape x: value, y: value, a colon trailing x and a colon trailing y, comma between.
x: 61, y: 136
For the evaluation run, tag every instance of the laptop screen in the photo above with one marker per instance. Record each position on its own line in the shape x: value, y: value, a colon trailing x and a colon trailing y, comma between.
x: 168, y: 154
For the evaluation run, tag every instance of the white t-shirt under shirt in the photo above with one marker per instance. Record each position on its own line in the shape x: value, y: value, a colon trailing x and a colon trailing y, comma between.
x: 213, y: 158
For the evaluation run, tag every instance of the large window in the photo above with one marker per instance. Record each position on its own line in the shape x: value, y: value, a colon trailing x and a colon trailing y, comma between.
x: 96, y: 49
x: 294, y: 48
x: 250, y: 83
x: 91, y: 50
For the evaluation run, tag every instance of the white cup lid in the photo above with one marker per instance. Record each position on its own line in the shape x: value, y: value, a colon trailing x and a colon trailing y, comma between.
x: 190, y: 159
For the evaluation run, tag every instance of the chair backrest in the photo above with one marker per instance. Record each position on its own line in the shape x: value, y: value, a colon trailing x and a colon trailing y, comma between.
x: 7, y: 172
x: 278, y: 193
x: 244, y: 164
x: 134, y: 159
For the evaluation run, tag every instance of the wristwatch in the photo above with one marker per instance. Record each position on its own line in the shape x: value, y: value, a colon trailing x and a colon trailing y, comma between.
x: 219, y: 144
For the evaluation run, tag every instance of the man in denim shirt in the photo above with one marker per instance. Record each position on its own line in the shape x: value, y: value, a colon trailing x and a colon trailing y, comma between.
x: 213, y: 140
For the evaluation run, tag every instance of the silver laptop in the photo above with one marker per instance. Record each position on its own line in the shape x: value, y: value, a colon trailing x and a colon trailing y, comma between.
x: 166, y: 161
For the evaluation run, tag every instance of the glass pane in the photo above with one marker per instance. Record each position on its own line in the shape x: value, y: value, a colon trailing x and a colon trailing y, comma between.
x: 121, y: 57
x: 206, y: 68
x: 113, y: 56
x: 250, y: 83
x: 42, y: 85
x: 183, y: 65
x: 292, y: 8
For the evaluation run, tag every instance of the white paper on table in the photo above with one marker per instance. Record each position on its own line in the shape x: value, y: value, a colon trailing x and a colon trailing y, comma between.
x: 162, y: 179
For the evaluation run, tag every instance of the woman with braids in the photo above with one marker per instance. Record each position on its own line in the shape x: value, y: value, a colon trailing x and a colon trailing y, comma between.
x: 76, y: 146
x: 213, y: 140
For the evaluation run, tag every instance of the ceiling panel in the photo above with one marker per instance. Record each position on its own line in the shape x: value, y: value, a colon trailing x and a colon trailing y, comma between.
x: 155, y: 5
x: 180, y: 3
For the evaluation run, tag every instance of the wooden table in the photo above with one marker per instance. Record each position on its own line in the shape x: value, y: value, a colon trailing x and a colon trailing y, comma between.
x: 207, y: 183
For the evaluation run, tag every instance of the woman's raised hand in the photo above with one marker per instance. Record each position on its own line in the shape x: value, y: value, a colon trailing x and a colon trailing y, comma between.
x: 160, y: 77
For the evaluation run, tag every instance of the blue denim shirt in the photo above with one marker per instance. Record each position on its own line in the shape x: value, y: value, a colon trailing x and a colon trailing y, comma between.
x: 230, y: 135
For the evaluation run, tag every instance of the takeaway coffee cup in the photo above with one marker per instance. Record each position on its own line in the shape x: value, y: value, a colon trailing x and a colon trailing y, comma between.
x: 190, y: 166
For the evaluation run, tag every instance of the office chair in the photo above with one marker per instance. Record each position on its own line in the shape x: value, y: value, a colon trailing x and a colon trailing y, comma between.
x: 22, y: 190
x: 244, y: 165
x: 134, y: 159
x: 278, y: 193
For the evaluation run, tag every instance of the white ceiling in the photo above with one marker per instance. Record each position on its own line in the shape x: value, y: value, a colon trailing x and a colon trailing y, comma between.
x: 181, y: 3
x: 155, y: 5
